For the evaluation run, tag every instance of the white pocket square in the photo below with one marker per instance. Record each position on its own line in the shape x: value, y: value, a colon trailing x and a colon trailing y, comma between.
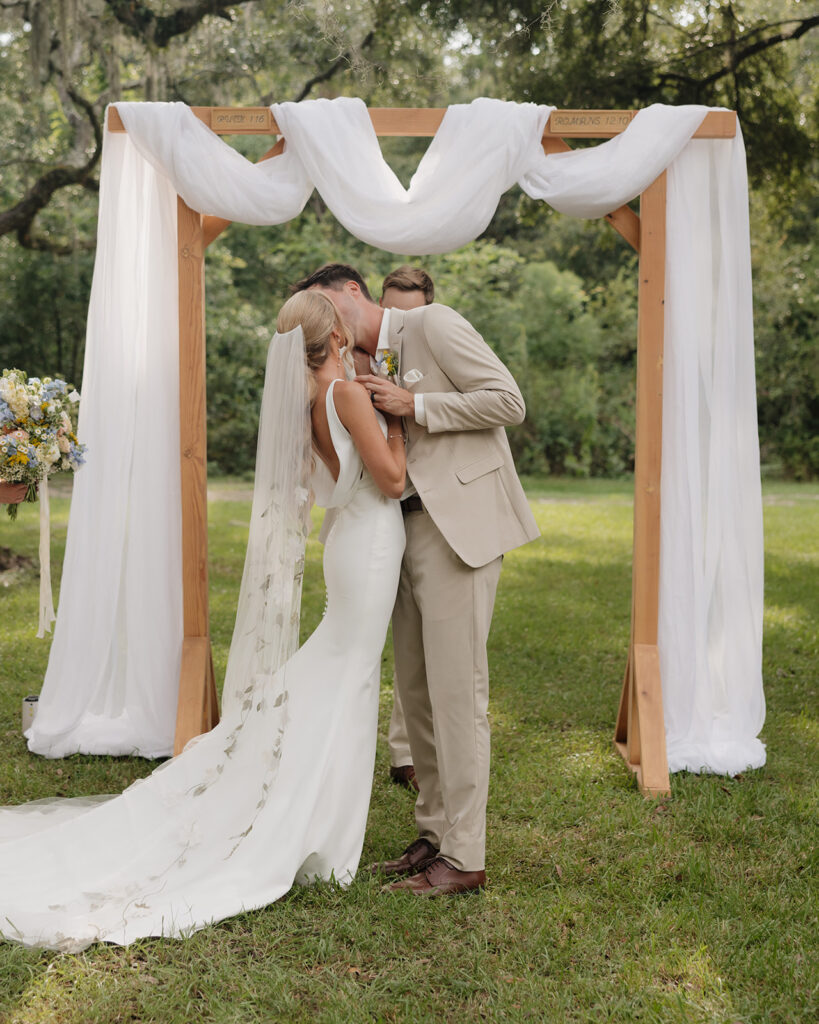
x: 412, y: 376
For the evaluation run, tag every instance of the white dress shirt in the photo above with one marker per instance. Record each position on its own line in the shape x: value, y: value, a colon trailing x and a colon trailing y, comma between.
x: 381, y: 349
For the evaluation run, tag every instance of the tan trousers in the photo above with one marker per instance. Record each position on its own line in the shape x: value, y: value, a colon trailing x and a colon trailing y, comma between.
x: 441, y: 622
x: 397, y: 738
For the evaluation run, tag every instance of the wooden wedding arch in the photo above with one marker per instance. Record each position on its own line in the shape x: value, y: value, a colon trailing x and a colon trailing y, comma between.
x: 640, y: 731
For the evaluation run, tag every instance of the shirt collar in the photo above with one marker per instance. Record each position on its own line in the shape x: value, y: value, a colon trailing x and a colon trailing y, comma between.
x: 384, y: 334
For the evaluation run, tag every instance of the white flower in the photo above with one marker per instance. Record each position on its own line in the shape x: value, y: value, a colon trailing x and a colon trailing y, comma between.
x: 17, y: 400
x: 49, y: 453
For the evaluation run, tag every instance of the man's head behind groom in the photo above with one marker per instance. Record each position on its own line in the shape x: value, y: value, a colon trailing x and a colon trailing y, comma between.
x: 407, y: 288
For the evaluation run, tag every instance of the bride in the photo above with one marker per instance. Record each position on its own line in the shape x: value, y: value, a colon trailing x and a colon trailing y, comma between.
x: 278, y: 792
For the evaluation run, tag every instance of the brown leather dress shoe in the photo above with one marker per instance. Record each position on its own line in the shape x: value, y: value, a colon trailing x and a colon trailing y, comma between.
x: 440, y: 878
x: 415, y: 858
x: 404, y: 775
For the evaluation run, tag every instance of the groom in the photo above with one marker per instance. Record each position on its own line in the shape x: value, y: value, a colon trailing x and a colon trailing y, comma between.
x: 463, y: 508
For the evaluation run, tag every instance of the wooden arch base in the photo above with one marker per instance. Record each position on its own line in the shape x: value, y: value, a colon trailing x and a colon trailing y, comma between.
x: 640, y: 731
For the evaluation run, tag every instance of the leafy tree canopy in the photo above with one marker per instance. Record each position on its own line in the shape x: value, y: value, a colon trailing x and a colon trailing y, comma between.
x: 555, y: 296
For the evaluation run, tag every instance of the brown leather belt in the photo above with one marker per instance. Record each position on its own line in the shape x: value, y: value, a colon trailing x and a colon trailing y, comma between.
x: 412, y: 504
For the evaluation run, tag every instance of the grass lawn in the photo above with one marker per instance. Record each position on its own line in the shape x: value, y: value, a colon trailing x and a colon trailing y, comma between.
x: 601, y: 906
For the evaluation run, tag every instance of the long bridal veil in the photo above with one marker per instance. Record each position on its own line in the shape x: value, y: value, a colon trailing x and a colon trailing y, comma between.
x: 267, y: 618
x: 106, y: 867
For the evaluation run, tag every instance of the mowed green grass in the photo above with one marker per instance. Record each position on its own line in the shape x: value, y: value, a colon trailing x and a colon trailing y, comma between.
x: 601, y: 906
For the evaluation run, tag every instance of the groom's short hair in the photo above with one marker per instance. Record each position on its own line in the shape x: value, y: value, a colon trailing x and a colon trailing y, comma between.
x: 333, y: 276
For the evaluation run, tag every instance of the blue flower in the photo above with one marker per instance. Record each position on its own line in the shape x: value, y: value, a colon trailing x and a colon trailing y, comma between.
x: 6, y: 415
x: 53, y: 388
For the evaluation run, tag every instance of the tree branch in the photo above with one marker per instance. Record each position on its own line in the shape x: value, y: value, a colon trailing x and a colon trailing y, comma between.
x: 343, y: 60
x: 158, y: 30
x: 803, y: 26
x: 20, y: 217
x: 337, y: 64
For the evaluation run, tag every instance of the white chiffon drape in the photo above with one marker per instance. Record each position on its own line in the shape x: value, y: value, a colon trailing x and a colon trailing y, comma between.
x: 112, y: 678
x: 106, y: 689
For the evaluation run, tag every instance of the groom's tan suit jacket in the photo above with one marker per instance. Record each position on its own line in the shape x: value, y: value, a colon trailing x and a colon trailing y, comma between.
x: 460, y: 462
x: 461, y: 466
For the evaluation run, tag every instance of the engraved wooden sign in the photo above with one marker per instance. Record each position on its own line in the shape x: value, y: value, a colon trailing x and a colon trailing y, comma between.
x: 239, y: 120
x: 593, y: 123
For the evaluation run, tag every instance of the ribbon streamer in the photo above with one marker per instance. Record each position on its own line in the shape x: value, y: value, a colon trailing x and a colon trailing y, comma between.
x: 47, y: 616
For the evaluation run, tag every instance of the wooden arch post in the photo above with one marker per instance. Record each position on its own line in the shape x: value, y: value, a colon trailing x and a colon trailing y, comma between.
x: 197, y: 705
x: 640, y: 729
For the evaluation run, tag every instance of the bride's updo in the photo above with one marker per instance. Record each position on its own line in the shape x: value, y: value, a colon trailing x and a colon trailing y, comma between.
x: 318, y: 318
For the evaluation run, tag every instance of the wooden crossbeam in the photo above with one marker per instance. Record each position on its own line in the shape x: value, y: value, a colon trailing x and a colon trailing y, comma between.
x: 422, y: 122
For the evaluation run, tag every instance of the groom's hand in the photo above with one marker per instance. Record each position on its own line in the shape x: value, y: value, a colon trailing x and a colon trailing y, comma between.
x: 388, y: 397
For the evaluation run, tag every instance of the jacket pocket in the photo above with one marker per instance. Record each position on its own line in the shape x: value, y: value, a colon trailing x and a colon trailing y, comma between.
x: 466, y: 474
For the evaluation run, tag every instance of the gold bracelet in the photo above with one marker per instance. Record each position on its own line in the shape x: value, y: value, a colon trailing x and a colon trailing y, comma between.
x: 391, y: 436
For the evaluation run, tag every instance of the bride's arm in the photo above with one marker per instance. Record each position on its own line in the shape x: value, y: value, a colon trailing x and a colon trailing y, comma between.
x: 385, y: 458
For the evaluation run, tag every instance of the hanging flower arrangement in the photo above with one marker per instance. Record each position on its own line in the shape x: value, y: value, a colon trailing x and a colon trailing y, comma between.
x: 38, y: 439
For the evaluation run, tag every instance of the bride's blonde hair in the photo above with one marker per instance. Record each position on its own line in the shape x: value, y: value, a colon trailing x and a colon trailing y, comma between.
x: 318, y: 318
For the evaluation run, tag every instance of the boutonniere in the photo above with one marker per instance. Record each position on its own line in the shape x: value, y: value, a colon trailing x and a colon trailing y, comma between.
x: 388, y: 366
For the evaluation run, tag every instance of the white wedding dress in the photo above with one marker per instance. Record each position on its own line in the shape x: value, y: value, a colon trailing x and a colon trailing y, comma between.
x: 277, y: 793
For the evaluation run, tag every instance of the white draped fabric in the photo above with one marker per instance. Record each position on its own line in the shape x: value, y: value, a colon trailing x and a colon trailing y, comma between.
x: 112, y: 677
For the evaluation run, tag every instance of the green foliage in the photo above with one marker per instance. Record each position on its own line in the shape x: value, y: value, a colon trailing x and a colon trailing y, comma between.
x: 554, y: 296
x: 600, y: 54
x: 573, y: 355
x: 43, y: 310
x: 601, y: 906
x: 786, y: 269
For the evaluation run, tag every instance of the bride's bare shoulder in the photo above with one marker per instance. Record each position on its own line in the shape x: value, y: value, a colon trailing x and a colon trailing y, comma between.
x: 350, y: 394
x: 353, y: 405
